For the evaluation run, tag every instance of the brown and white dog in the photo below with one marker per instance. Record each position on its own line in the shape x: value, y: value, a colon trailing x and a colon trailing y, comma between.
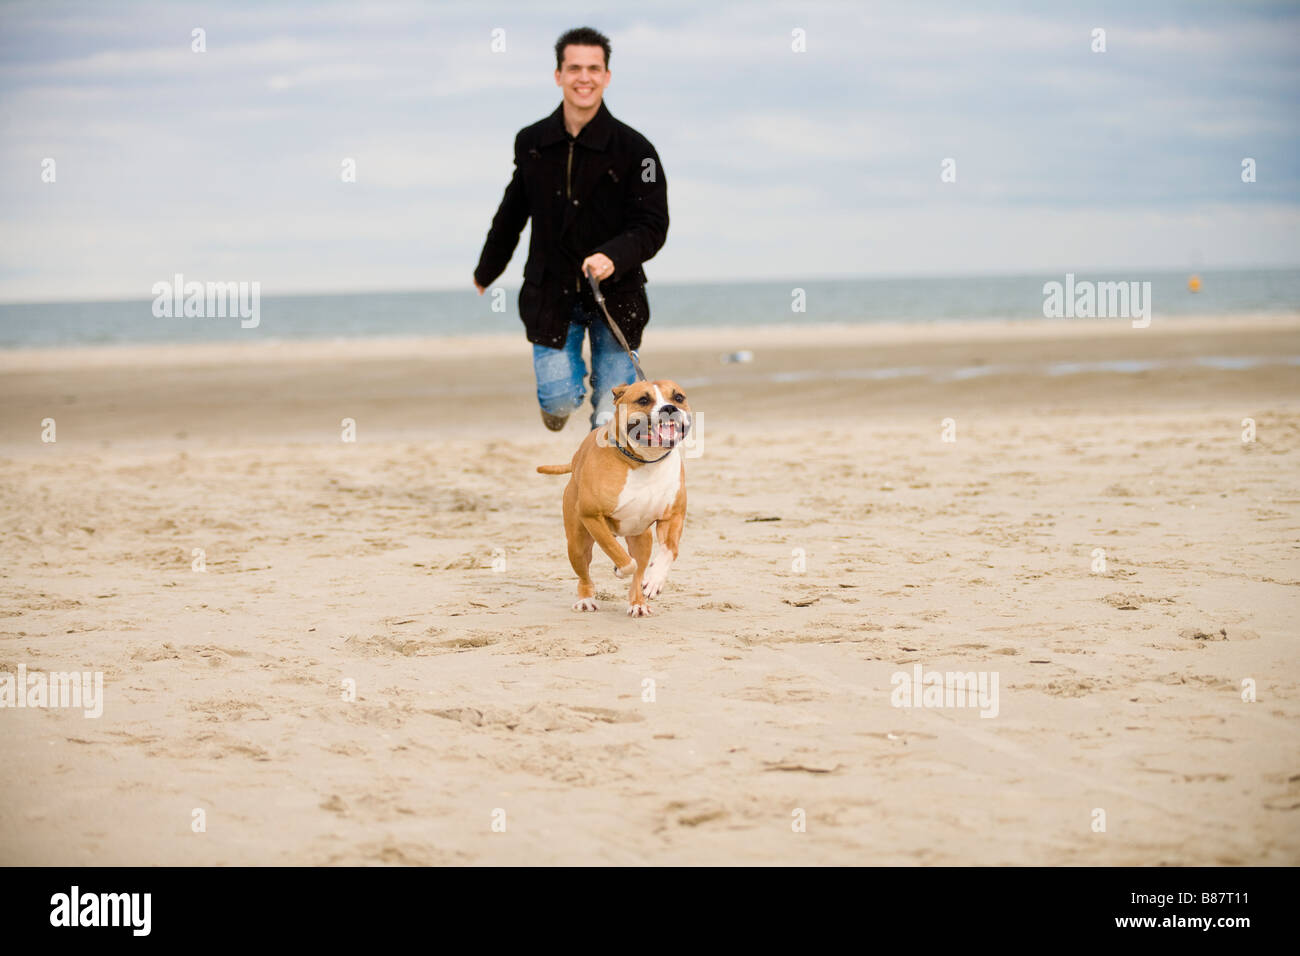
x: 628, y: 479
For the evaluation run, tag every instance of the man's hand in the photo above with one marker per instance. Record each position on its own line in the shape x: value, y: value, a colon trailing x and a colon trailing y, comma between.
x: 479, y: 287
x: 600, y: 264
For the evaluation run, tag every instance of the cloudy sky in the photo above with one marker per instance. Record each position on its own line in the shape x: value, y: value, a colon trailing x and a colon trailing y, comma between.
x: 225, y: 165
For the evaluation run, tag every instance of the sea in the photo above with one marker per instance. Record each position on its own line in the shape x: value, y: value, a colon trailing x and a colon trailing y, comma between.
x: 747, y: 304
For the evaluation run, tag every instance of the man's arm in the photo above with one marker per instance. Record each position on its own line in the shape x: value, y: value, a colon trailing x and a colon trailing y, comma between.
x: 646, y: 217
x: 507, y: 224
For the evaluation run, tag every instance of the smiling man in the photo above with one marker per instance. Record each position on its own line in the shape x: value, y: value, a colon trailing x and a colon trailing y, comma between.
x: 596, y: 194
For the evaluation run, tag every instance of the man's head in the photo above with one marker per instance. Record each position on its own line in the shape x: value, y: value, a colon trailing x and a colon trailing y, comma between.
x: 582, y: 67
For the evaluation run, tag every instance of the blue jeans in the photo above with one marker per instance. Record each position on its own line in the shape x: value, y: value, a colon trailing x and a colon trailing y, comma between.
x: 560, y: 372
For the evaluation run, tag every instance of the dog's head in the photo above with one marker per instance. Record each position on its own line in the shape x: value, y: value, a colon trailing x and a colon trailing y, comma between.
x: 651, y: 414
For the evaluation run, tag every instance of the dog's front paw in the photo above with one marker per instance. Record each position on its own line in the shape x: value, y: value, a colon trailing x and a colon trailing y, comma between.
x: 585, y: 604
x: 638, y: 610
x: 627, y: 570
x: 655, y: 577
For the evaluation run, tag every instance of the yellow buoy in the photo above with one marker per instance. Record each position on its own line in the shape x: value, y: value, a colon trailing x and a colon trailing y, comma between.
x: 1194, y: 284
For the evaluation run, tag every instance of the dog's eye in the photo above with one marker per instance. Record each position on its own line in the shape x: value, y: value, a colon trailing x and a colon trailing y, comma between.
x: 643, y: 400
x: 679, y: 397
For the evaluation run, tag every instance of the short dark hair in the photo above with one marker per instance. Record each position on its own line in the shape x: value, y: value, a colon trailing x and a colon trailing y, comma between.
x: 582, y: 36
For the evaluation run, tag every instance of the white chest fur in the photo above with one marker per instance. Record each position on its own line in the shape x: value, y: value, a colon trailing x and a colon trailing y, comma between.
x: 647, y: 494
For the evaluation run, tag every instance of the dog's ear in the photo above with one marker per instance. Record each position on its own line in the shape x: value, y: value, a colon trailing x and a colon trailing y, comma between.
x: 618, y: 391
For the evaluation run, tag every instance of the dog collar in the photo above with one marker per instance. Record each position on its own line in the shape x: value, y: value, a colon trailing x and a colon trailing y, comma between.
x: 642, y: 461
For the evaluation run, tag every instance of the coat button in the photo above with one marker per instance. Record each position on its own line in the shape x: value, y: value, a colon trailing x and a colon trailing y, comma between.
x: 575, y: 202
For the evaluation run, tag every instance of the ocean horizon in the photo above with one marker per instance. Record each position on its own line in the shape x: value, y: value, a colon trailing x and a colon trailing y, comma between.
x: 436, y: 313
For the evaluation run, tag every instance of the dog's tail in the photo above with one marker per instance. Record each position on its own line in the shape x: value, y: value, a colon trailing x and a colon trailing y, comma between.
x: 554, y: 469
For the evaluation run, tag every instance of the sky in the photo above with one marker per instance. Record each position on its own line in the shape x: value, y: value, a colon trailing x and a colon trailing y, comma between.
x: 225, y: 165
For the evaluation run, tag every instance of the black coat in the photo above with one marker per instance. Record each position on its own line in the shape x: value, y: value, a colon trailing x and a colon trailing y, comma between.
x: 613, y: 199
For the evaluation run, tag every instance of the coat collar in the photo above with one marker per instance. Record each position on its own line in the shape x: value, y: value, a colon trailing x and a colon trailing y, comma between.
x: 594, y: 135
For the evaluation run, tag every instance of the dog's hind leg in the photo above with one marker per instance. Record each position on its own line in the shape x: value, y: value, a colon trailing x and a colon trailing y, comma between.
x: 580, y: 545
x: 580, y: 558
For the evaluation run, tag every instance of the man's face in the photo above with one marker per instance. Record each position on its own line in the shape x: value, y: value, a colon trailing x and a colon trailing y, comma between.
x: 583, y: 76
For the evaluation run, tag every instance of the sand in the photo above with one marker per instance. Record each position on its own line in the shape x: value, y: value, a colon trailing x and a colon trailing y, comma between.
x: 833, y: 541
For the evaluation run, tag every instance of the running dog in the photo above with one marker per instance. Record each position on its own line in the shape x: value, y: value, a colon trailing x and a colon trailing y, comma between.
x: 626, y: 477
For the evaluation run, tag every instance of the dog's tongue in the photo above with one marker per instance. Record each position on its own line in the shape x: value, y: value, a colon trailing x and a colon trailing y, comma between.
x: 667, y: 432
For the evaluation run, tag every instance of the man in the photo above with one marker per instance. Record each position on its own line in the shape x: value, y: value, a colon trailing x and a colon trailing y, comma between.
x: 596, y: 194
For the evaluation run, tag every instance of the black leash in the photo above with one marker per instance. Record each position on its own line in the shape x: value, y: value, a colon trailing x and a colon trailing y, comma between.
x: 631, y: 353
x: 618, y: 333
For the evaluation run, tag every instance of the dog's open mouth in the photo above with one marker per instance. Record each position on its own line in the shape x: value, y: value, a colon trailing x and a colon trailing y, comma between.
x: 665, y: 431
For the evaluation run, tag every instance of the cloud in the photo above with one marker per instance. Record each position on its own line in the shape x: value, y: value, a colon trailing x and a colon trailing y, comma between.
x: 824, y: 162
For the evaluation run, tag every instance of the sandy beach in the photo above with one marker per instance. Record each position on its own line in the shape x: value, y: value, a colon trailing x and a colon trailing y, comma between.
x: 834, y: 540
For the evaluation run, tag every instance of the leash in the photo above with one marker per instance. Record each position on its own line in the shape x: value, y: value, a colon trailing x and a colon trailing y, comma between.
x: 618, y: 333
x: 631, y: 353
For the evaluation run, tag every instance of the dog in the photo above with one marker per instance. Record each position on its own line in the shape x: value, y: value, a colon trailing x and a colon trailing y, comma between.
x: 628, y: 479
